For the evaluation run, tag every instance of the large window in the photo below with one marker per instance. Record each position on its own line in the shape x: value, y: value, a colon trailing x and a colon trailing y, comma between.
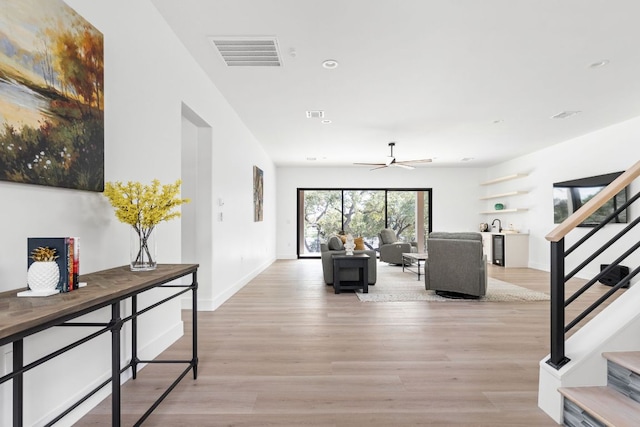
x: 363, y: 213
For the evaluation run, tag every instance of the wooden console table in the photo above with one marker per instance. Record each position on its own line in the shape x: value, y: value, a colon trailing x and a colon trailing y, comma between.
x: 21, y: 317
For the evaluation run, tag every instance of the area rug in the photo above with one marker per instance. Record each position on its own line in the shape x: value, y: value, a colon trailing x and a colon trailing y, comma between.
x: 395, y: 285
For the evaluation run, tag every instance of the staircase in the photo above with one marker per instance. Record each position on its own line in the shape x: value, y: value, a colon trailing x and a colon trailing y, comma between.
x: 617, y: 404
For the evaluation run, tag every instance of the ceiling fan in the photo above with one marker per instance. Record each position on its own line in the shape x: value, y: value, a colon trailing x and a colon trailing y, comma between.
x: 392, y: 162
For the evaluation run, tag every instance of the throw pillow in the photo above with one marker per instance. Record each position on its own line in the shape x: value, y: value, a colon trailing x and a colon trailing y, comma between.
x: 335, y: 244
x: 343, y: 237
x: 359, y: 241
x: 388, y: 236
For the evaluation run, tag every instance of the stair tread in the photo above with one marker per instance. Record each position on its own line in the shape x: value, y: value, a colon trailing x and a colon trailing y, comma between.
x: 627, y: 359
x: 604, y: 404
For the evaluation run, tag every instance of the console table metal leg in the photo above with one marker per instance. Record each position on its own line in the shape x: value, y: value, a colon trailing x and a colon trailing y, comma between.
x: 17, y: 383
x: 194, y: 321
x: 134, y: 337
x: 116, y: 326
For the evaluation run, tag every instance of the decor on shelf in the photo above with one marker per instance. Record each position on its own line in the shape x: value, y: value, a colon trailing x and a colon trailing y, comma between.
x: 258, y: 194
x: 499, y: 206
x: 52, y: 96
x: 143, y: 207
x: 43, y: 274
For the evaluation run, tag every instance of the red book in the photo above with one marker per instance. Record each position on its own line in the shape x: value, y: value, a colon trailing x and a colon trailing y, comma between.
x: 76, y: 261
x: 70, y: 263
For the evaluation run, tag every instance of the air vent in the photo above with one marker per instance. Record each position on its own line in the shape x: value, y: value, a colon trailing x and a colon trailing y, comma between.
x: 248, y: 52
x: 315, y: 114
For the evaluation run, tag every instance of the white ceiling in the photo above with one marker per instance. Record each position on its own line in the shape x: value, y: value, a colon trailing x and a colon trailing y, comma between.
x: 447, y: 79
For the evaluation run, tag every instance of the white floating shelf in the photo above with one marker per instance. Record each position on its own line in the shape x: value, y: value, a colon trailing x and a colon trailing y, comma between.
x: 505, y: 211
x: 505, y: 178
x: 497, y: 196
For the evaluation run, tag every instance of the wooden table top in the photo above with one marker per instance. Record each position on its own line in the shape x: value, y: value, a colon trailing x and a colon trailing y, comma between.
x: 19, y: 315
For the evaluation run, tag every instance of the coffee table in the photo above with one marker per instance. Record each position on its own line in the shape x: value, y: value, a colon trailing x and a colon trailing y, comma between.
x: 409, y: 258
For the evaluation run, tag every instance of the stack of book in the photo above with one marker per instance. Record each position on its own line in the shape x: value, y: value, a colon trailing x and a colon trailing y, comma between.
x: 68, y: 251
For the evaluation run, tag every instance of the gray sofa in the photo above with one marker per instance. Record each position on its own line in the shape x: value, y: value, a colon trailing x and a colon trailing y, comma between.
x: 391, y: 249
x: 334, y: 246
x: 455, y: 265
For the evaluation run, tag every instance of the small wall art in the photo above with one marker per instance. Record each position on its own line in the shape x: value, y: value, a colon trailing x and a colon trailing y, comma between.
x: 258, y: 194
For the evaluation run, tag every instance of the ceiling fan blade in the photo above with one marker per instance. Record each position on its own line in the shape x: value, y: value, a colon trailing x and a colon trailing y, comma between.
x: 370, y: 164
x: 380, y: 167
x: 406, y: 162
x: 402, y: 165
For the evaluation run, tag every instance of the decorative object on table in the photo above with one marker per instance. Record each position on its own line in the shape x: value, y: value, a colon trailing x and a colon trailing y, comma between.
x: 258, y: 194
x: 499, y: 206
x: 43, y: 274
x: 143, y: 207
x: 66, y: 258
x: 52, y: 96
x: 484, y: 226
x: 349, y: 244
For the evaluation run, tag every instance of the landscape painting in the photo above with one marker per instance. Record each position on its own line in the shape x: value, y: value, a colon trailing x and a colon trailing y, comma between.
x: 51, y: 96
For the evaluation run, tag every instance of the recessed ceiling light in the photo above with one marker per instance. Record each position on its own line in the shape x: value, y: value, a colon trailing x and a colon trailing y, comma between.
x: 565, y: 114
x: 330, y: 64
x: 325, y: 121
x: 599, y: 64
x: 495, y: 122
x: 311, y: 158
x: 466, y: 159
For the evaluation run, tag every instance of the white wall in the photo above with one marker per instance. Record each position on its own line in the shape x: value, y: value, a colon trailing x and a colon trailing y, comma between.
x: 455, y: 194
x: 148, y: 77
x: 608, y: 150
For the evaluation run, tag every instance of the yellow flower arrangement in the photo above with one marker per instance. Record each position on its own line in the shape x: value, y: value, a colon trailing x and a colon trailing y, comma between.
x: 143, y: 207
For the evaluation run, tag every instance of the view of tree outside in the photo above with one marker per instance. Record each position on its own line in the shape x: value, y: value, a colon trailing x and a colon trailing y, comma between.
x: 322, y: 217
x: 401, y: 214
x: 364, y: 215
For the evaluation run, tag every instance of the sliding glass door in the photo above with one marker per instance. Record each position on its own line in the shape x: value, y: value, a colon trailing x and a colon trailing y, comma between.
x: 363, y: 213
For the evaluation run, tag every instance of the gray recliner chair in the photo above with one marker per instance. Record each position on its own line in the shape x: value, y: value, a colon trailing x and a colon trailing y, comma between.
x: 334, y: 246
x: 391, y: 249
x: 456, y: 266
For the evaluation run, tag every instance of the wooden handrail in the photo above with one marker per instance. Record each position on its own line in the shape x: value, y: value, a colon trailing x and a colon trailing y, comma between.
x: 594, y: 204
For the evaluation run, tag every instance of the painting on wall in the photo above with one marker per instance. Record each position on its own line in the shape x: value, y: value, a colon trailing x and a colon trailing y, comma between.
x: 258, y: 193
x: 51, y: 96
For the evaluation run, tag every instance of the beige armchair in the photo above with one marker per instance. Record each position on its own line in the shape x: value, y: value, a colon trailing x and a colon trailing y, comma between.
x: 456, y: 266
x: 391, y: 249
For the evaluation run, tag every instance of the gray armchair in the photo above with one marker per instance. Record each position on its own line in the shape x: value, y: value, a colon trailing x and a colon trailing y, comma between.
x: 334, y: 246
x: 391, y: 249
x: 456, y: 266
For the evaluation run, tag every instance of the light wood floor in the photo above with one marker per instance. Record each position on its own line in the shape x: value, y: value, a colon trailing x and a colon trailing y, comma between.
x: 287, y: 351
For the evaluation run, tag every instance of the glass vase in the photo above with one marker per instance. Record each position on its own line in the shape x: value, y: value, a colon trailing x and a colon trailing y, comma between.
x: 143, y: 250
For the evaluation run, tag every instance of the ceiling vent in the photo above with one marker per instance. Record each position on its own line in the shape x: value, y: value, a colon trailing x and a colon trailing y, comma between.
x: 315, y: 114
x: 248, y: 51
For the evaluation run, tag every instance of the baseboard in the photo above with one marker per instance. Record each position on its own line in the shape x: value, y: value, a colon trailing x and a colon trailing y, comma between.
x: 212, y: 304
x: 287, y: 256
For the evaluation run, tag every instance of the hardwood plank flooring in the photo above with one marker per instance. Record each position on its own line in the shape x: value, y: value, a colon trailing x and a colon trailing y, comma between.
x: 287, y: 351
